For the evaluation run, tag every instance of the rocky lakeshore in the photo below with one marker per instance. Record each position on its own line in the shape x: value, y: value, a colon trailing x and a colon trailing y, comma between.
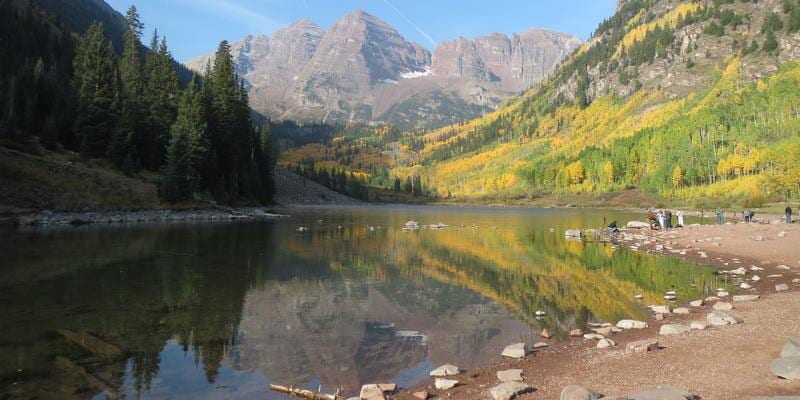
x: 737, y: 345
x: 33, y: 218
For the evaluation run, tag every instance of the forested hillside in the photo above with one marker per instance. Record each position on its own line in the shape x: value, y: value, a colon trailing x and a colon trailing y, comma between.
x: 682, y: 99
x: 61, y: 92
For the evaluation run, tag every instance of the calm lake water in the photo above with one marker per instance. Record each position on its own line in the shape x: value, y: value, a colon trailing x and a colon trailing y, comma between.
x: 220, y: 310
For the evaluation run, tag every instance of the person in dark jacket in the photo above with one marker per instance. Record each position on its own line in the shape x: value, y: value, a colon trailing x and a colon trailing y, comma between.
x: 788, y: 215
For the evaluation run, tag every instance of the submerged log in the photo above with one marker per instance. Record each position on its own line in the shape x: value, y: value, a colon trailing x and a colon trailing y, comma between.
x: 304, y: 393
x: 91, y: 343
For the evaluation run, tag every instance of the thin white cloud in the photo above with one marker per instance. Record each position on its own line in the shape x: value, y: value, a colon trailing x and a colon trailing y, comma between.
x: 421, y: 32
x: 253, y: 19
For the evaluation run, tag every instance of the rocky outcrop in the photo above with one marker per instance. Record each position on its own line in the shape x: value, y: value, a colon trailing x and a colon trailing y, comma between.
x: 361, y: 70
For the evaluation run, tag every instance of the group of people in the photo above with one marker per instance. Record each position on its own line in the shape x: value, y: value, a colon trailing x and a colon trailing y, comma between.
x: 748, y: 215
x: 662, y: 219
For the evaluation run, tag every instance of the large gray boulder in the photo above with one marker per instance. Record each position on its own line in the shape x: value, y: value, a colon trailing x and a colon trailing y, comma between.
x: 720, y: 318
x: 631, y: 324
x: 787, y: 368
x: 509, y: 390
x: 791, y: 348
x: 641, y: 346
x: 575, y: 392
x: 518, y: 350
x: 637, y: 225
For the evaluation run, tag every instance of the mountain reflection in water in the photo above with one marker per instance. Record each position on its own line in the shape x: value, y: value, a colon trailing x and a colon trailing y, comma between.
x: 223, y: 309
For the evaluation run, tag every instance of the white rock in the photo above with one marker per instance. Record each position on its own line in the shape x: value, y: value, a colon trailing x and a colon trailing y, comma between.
x: 698, y: 325
x: 660, y: 309
x: 783, y: 267
x: 711, y: 298
x: 754, y: 268
x: 673, y: 329
x: 444, y: 384
x: 605, y: 343
x: 746, y: 297
x: 755, y: 278
x: 372, y: 390
x: 595, y: 336
x: 781, y: 287
x: 509, y: 390
x: 696, y: 303
x: 737, y: 271
x: 631, y: 324
x: 720, y: 318
x: 518, y: 350
x: 510, y: 375
x: 723, y: 294
x: 723, y: 306
x: 681, y: 310
x: 641, y: 346
x: 744, y: 285
x: 637, y: 225
x: 446, y: 370
x: 575, y: 392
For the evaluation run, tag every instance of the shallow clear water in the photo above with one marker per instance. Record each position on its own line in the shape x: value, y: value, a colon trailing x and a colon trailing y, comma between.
x: 220, y: 310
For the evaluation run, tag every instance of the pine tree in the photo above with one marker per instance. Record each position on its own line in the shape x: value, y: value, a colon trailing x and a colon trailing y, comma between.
x: 128, y: 132
x: 770, y: 43
x: 177, y: 174
x: 94, y: 80
x: 191, y: 123
x: 224, y: 106
x: 162, y: 92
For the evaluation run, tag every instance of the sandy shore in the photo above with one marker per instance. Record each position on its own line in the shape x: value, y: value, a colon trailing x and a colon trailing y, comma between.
x: 730, y: 362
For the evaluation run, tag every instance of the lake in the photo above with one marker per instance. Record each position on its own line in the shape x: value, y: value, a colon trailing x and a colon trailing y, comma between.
x: 220, y: 310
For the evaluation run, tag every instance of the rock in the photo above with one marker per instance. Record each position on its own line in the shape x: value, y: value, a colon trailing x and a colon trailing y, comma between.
x: 576, y: 333
x: 605, y: 343
x: 641, y: 346
x: 744, y: 285
x: 681, y: 310
x: 510, y: 375
x: 781, y: 287
x: 388, y: 387
x: 540, y: 345
x: 698, y: 325
x: 659, y: 317
x: 660, y: 309
x: 518, y: 350
x: 755, y: 278
x: 673, y: 329
x: 711, y: 298
x: 574, y: 233
x: 723, y: 306
x: 444, y: 384
x: 596, y: 336
x: 696, y: 303
x: 746, y: 297
x: 754, y: 268
x: 661, y: 393
x: 544, y: 333
x: 446, y: 370
x: 509, y: 390
x: 575, y: 392
x: 758, y: 238
x: 787, y: 368
x: 783, y: 267
x: 720, y: 318
x: 607, y: 331
x: 791, y: 348
x: 421, y: 395
x: 723, y: 294
x: 637, y: 225
x: 737, y: 271
x: 371, y: 391
x: 631, y: 324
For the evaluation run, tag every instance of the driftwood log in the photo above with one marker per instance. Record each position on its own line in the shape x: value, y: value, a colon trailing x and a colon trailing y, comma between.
x: 304, y: 393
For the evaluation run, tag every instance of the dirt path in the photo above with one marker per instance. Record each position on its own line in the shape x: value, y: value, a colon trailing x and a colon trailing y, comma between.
x: 731, y: 362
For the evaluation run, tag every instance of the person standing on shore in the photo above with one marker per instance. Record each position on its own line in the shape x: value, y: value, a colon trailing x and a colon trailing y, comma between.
x: 679, y: 214
x: 668, y: 218
x: 788, y: 214
x: 720, y: 216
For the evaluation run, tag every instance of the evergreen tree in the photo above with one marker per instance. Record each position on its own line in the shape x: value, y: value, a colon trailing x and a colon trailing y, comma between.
x: 95, y: 74
x: 128, y: 132
x: 176, y: 180
x: 770, y: 43
x: 224, y: 105
x: 191, y: 123
x: 162, y: 96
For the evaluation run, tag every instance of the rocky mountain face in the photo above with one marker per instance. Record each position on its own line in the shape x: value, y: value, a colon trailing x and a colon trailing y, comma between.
x: 362, y: 70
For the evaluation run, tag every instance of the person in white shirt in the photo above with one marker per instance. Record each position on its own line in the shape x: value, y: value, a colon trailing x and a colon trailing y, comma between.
x: 679, y: 214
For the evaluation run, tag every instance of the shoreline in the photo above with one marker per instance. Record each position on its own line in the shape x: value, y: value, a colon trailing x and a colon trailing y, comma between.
x: 720, y: 362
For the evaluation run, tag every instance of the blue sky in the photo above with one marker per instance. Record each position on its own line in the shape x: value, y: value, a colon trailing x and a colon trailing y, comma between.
x: 195, y: 27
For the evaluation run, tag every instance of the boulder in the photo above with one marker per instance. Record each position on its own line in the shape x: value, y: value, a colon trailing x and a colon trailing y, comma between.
x: 720, y: 318
x: 421, y: 395
x: 509, y: 390
x: 595, y: 336
x: 698, y: 325
x: 576, y: 333
x: 510, y: 375
x: 631, y: 324
x: 681, y: 310
x: 696, y: 303
x: 446, y: 370
x: 607, y: 331
x: 518, y: 350
x: 791, y: 348
x: 723, y: 293
x: 637, y: 225
x: 673, y: 329
x: 540, y: 345
x: 787, y: 368
x: 388, y: 387
x: 371, y: 391
x: 641, y: 346
x: 744, y: 285
x: 746, y: 297
x: 723, y: 306
x: 444, y: 384
x: 575, y: 392
x: 660, y: 309
x: 605, y: 343
x: 781, y: 287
